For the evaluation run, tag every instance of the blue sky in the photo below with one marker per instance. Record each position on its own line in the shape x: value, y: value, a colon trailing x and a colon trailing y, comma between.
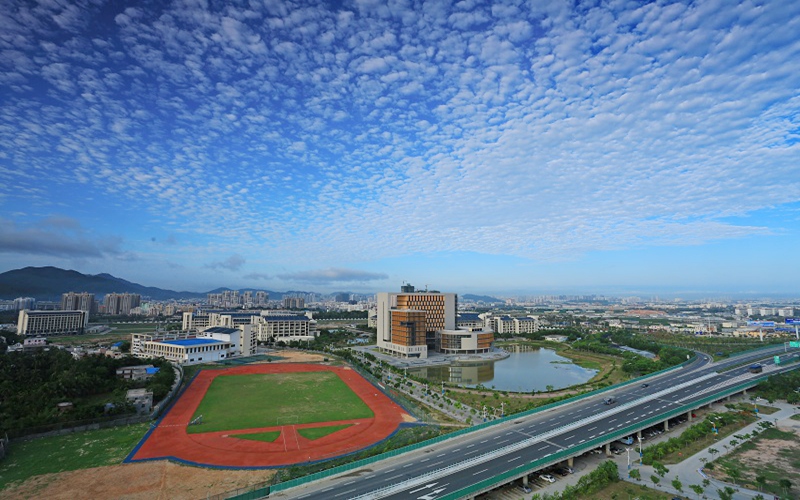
x: 476, y: 147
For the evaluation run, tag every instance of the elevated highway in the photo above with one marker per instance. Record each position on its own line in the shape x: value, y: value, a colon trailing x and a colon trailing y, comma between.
x: 481, y: 460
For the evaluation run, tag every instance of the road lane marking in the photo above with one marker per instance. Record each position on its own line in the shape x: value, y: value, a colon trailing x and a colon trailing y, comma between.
x: 480, y: 471
x: 515, y: 458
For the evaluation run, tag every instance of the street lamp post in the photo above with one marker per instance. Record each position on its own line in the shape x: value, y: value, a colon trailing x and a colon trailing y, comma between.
x: 640, y: 450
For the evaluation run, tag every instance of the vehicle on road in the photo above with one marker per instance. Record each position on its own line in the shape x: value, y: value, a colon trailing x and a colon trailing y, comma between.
x: 609, y: 401
x: 645, y: 385
x: 548, y: 478
x: 755, y: 368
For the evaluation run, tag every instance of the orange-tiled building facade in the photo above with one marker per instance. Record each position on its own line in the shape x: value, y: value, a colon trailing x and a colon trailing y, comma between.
x: 412, y: 323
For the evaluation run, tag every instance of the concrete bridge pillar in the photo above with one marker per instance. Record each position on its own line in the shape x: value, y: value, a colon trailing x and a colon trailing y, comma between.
x: 525, y: 480
x: 570, y: 462
x: 639, y: 436
x: 666, y: 425
x: 744, y: 392
x: 608, y: 450
x: 689, y: 415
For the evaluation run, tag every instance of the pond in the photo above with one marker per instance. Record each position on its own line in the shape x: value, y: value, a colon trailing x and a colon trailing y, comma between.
x: 520, y: 372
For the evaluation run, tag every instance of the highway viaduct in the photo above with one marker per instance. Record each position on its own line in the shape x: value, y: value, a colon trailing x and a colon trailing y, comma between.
x: 489, y: 456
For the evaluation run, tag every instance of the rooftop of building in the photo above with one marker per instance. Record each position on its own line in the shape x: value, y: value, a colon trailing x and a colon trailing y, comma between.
x: 191, y: 342
x: 221, y: 329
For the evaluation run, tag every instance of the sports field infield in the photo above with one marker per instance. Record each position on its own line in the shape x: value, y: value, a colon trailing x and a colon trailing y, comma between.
x: 235, y: 402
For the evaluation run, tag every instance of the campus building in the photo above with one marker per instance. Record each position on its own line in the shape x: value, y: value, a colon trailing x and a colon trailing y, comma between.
x: 412, y: 323
x: 186, y: 351
x: 243, y: 339
x: 274, y: 326
x: 52, y: 322
x: 286, y: 328
x: 212, y: 344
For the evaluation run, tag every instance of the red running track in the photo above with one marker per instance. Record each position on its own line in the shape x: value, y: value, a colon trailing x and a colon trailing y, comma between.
x: 170, y: 440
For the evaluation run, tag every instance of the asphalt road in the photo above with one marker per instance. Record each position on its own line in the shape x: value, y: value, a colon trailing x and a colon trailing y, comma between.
x: 506, y: 446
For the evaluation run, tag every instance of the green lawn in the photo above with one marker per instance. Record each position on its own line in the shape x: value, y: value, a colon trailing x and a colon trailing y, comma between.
x: 313, y: 433
x: 79, y: 450
x: 262, y: 400
x: 267, y: 437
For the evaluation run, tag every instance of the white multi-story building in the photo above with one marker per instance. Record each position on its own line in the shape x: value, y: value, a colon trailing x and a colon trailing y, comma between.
x: 52, y: 322
x: 243, y: 339
x: 186, y: 351
x: 285, y: 327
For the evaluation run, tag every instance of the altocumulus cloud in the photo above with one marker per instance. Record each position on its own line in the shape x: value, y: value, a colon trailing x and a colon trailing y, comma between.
x: 232, y: 263
x: 332, y: 275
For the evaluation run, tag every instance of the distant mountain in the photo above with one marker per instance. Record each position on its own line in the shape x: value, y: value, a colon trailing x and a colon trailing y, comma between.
x: 48, y: 283
x: 479, y: 298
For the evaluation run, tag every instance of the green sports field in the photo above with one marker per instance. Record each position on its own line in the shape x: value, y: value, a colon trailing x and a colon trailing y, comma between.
x: 263, y: 400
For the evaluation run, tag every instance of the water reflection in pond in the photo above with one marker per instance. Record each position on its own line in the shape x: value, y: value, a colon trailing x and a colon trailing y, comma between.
x: 520, y: 372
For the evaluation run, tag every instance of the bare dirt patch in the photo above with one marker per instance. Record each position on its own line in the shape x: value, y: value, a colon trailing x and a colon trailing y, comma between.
x: 151, y: 480
x: 767, y: 454
x: 298, y: 357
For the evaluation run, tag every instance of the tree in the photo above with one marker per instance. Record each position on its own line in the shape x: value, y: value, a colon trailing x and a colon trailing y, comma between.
x: 785, y: 485
x: 761, y: 481
x: 635, y: 474
x: 713, y: 451
x: 734, y: 473
x: 706, y: 483
x: 655, y: 479
x: 678, y: 485
x: 698, y: 490
x: 660, y: 469
x: 726, y: 493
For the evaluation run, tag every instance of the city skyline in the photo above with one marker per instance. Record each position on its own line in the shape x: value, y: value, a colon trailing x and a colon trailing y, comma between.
x: 491, y: 148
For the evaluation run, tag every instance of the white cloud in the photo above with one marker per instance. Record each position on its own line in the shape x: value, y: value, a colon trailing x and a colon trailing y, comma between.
x: 544, y: 133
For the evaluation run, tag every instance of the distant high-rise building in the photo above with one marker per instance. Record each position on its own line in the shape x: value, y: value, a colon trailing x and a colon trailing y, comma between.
x: 261, y: 298
x: 21, y: 303
x: 341, y: 297
x: 121, y: 303
x: 72, y: 301
x: 294, y: 302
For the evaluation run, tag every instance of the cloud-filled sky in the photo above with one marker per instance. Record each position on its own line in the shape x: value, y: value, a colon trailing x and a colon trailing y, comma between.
x: 474, y: 146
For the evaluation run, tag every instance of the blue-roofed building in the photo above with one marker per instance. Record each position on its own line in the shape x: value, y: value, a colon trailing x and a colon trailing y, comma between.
x: 190, y: 350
